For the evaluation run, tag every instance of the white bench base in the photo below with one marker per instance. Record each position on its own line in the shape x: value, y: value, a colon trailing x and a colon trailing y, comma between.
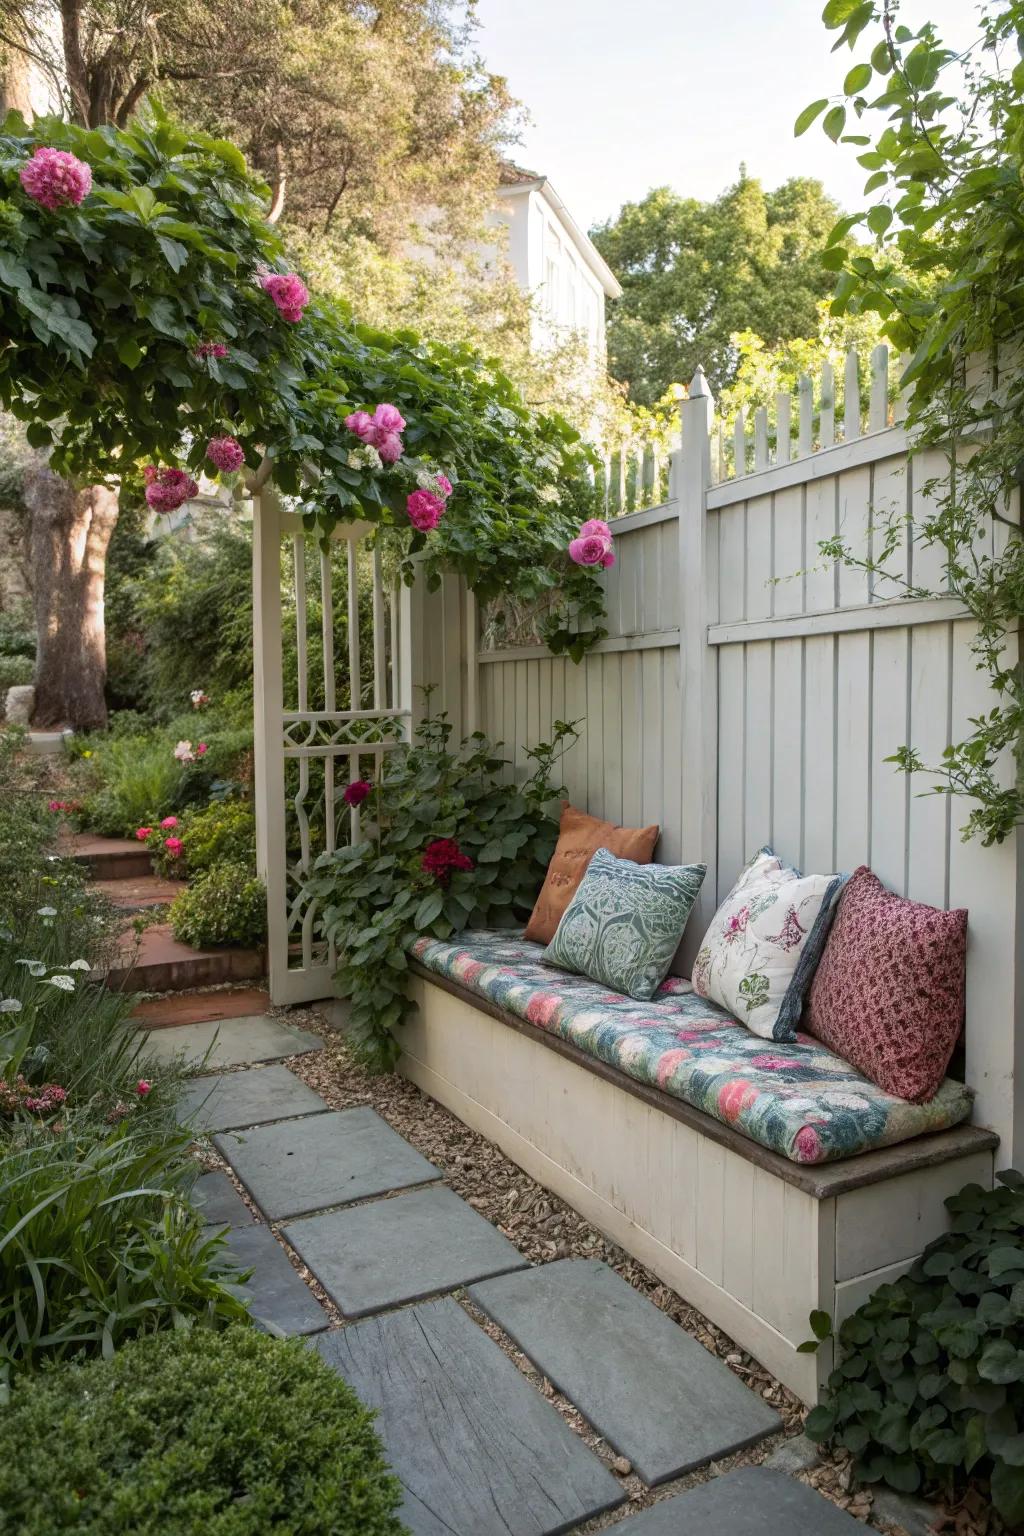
x: 752, y: 1240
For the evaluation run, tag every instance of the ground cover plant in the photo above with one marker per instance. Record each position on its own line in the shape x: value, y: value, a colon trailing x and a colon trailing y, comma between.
x: 229, y: 1434
x: 929, y: 1388
x: 451, y: 844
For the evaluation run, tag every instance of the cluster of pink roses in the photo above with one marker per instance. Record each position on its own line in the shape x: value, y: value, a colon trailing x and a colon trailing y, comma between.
x: 69, y: 806
x: 288, y: 292
x: 226, y: 454
x: 382, y: 430
x: 173, y: 845
x: 426, y: 507
x: 168, y: 489
x: 441, y: 857
x: 53, y: 178
x: 593, y: 544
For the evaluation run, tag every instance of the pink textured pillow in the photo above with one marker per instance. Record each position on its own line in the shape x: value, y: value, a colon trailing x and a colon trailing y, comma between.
x: 888, y: 995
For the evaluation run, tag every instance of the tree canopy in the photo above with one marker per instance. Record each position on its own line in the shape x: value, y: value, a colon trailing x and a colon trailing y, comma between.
x: 693, y: 274
x: 115, y: 311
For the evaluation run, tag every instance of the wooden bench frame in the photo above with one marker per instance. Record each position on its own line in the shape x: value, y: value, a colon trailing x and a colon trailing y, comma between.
x: 754, y: 1241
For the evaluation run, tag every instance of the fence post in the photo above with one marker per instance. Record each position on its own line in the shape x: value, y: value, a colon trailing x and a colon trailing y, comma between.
x: 698, y: 596
x: 268, y: 761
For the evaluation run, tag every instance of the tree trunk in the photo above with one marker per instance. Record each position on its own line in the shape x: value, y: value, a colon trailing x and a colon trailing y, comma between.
x: 15, y: 85
x: 71, y: 530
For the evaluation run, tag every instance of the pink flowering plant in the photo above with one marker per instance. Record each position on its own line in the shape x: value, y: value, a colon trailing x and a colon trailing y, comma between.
x: 447, y: 844
x: 226, y: 356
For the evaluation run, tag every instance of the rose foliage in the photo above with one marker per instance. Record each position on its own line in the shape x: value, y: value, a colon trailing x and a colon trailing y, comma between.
x: 142, y: 322
x: 448, y: 845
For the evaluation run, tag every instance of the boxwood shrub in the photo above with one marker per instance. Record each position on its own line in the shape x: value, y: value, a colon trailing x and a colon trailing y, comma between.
x: 226, y: 905
x: 930, y: 1382
x: 230, y: 1434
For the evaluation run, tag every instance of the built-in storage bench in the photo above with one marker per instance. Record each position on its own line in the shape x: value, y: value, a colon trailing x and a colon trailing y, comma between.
x: 753, y: 1240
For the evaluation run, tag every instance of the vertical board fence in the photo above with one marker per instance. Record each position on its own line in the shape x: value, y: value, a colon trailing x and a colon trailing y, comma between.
x: 750, y: 690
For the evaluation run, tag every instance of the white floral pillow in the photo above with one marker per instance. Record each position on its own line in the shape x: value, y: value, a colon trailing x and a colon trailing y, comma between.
x: 760, y: 953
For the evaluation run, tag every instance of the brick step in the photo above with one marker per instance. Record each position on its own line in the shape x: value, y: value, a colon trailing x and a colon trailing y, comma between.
x: 107, y: 858
x: 163, y: 965
x: 138, y: 893
x: 201, y: 1008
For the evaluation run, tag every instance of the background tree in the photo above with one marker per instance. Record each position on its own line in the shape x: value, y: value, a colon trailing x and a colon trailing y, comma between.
x: 693, y: 274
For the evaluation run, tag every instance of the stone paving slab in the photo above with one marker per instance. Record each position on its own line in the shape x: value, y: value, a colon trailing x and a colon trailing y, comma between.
x: 231, y: 1042
x: 303, y: 1165
x: 750, y: 1502
x: 280, y: 1300
x: 391, y: 1251
x: 219, y: 1202
x: 256, y: 1097
x: 653, y: 1392
x: 478, y: 1450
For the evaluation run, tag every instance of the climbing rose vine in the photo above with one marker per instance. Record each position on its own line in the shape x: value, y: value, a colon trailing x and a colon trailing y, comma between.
x: 593, y: 545
x: 288, y: 292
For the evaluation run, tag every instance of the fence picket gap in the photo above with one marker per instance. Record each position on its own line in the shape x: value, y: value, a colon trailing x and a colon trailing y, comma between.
x: 783, y: 408
x: 739, y: 444
x: 761, y: 437
x: 878, y: 410
x: 851, y: 396
x: 805, y: 439
x: 827, y: 423
x: 902, y: 402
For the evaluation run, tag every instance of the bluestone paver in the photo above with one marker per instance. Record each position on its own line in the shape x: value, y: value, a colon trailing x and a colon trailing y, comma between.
x: 230, y: 1042
x: 750, y: 1502
x: 393, y: 1251
x: 219, y: 1202
x: 224, y: 1102
x: 650, y: 1389
x: 478, y: 1450
x: 279, y: 1298
x: 304, y: 1165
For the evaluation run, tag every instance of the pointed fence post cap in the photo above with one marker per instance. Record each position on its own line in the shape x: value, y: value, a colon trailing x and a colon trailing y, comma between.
x: 699, y: 384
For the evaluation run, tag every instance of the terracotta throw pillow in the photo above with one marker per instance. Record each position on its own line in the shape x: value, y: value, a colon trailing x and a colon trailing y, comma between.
x: 579, y: 838
x: 888, y: 995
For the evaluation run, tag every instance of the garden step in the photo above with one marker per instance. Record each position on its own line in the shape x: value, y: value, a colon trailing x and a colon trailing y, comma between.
x: 200, y: 1007
x: 137, y: 893
x: 229, y: 1101
x: 750, y: 1502
x: 164, y: 965
x: 231, y: 1042
x: 107, y: 858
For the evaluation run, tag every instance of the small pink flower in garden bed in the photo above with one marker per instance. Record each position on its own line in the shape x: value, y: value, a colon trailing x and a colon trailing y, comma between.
x: 356, y: 792
x: 174, y: 847
x: 49, y: 1097
x: 142, y: 1087
x: 54, y: 178
x: 215, y: 349
x: 202, y: 749
x: 168, y: 489
x: 425, y: 510
x: 288, y: 292
x: 183, y: 752
x: 441, y: 857
x: 142, y: 833
x: 225, y: 454
x: 169, y: 823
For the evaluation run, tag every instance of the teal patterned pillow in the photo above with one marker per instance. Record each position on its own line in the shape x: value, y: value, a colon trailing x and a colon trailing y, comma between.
x: 625, y: 922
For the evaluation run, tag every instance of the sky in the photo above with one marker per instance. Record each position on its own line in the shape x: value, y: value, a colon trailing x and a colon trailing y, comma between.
x: 625, y: 95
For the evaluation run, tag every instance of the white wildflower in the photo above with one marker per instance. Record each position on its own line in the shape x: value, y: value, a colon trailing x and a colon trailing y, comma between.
x: 183, y: 752
x: 9, y: 1005
x: 63, y: 981
x: 46, y: 911
x: 34, y: 967
x: 548, y: 493
x: 79, y: 965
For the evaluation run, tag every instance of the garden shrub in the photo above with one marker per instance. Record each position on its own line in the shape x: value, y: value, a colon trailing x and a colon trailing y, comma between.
x: 14, y: 672
x: 226, y: 905
x: 17, y: 632
x: 930, y: 1384
x: 229, y: 1434
x: 452, y: 846
x: 223, y: 832
x: 130, y: 780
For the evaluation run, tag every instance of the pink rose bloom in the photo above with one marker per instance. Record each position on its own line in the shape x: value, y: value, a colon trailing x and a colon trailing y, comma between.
x: 168, y: 489
x: 202, y: 749
x: 590, y: 550
x: 142, y: 833
x: 56, y: 805
x: 389, y: 447
x: 381, y: 430
x: 388, y: 418
x: 174, y: 845
x: 444, y: 485
x: 356, y: 792
x: 288, y: 292
x: 169, y: 823
x: 53, y: 178
x: 225, y: 453
x: 361, y: 424
x: 215, y: 349
x: 183, y: 752
x: 595, y: 525
x: 608, y: 558
x: 142, y: 1087
x: 424, y: 510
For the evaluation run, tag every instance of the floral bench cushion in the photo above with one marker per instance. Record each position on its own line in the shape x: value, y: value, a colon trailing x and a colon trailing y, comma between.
x: 799, y: 1100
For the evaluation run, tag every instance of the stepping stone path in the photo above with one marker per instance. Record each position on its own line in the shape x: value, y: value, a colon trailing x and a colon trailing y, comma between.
x: 478, y: 1449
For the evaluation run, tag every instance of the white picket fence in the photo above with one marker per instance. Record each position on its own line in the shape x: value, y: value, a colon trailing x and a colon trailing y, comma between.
x: 749, y: 690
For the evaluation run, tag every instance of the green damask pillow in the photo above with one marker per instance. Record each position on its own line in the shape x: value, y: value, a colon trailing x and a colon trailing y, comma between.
x: 625, y: 922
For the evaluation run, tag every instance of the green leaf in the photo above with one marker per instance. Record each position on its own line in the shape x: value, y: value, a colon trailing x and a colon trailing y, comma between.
x: 837, y: 12
x: 834, y: 122
x: 879, y: 218
x: 1001, y: 1362
x: 821, y: 1325
x: 174, y: 253
x: 1002, y: 1260
x: 428, y: 909
x: 858, y: 79
x: 808, y: 116
x: 1008, y: 1492
x: 820, y: 1423
x: 129, y: 352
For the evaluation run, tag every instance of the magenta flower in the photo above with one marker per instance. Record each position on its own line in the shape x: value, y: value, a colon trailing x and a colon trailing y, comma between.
x: 595, y: 525
x: 589, y: 550
x: 288, y: 292
x: 168, y: 489
x: 48, y: 1097
x: 53, y: 178
x: 169, y: 823
x: 202, y: 749
x: 142, y: 1087
x: 174, y: 846
x: 210, y: 349
x: 424, y: 510
x: 361, y: 423
x: 444, y: 485
x: 441, y: 857
x: 608, y: 558
x: 389, y: 447
x: 225, y: 454
x: 56, y: 805
x: 356, y: 792
x: 381, y: 430
x: 142, y: 833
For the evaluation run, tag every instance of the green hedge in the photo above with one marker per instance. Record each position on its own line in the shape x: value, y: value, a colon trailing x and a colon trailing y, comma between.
x: 230, y: 1434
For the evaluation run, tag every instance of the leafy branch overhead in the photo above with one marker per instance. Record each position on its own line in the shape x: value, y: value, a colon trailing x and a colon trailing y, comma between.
x: 145, y: 320
x: 944, y: 271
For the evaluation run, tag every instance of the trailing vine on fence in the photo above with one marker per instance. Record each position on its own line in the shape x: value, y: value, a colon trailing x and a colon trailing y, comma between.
x: 946, y: 275
x: 150, y: 321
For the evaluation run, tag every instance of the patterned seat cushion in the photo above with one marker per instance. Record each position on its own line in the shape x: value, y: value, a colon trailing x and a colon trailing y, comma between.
x: 797, y: 1099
